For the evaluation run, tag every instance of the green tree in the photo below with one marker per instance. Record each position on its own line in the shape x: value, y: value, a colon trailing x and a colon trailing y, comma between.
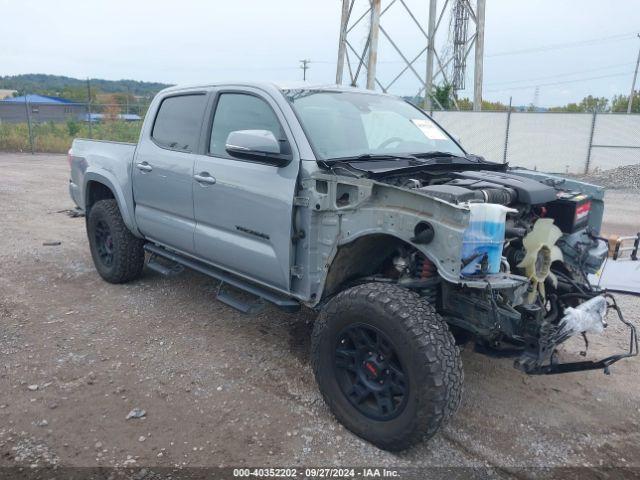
x: 465, y: 103
x: 591, y: 103
x: 587, y: 104
x: 619, y: 103
x: 442, y: 93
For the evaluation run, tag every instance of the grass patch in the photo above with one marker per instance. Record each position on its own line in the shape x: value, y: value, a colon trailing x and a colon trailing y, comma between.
x: 52, y: 137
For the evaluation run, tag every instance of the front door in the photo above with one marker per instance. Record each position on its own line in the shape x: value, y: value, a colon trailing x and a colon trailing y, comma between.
x: 243, y: 209
x: 163, y: 172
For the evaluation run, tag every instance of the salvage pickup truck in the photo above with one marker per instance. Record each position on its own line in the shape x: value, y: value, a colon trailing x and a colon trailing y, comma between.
x: 360, y: 206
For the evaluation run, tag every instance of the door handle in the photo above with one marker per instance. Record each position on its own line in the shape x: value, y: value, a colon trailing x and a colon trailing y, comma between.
x: 204, y: 178
x: 144, y: 167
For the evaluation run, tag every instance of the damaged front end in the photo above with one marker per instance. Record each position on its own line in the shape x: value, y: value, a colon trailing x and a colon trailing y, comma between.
x: 542, y: 297
x: 587, y: 317
x: 516, y: 279
x: 503, y: 323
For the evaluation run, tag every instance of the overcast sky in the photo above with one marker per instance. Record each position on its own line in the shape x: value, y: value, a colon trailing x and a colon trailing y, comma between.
x: 195, y: 41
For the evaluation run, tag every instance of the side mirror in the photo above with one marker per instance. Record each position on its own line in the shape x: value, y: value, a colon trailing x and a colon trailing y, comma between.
x: 259, y: 145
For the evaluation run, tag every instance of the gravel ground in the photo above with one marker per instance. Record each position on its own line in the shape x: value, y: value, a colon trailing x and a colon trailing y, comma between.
x: 77, y: 355
x: 624, y: 177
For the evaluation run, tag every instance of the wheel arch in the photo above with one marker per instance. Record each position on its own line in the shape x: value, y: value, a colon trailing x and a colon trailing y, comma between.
x: 99, y: 187
x: 360, y: 257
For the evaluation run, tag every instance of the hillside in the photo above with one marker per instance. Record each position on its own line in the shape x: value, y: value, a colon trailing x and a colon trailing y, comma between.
x: 60, y: 85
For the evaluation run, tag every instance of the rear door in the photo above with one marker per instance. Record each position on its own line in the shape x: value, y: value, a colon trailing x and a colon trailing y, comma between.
x: 163, y: 171
x: 244, y: 219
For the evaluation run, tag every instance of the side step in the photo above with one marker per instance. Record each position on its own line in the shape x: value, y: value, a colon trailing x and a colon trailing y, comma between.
x: 245, y: 307
x: 280, y: 301
x: 166, y: 270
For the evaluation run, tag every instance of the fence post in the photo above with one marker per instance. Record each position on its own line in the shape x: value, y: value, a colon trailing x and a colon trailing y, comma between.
x: 506, y: 133
x: 89, y: 107
x: 26, y: 109
x: 593, y: 127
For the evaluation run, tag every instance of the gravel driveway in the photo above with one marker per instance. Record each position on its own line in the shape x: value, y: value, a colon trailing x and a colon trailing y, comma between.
x: 77, y: 355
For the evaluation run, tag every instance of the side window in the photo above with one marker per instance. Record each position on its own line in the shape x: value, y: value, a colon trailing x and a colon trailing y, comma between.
x: 239, y: 111
x: 178, y: 122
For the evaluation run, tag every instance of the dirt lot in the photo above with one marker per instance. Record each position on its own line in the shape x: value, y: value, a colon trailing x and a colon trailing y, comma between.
x: 219, y: 388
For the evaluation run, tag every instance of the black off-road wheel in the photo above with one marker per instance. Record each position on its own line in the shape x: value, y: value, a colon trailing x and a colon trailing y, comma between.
x: 386, y: 365
x: 117, y: 254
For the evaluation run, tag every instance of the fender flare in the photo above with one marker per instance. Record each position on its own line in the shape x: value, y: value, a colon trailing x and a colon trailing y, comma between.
x: 126, y: 208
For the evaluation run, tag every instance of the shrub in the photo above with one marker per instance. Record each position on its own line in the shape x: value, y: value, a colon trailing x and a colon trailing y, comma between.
x: 57, y: 137
x: 72, y: 127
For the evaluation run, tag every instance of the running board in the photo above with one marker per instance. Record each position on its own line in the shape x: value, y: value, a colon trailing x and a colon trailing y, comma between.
x: 166, y: 270
x: 280, y: 301
x: 233, y: 301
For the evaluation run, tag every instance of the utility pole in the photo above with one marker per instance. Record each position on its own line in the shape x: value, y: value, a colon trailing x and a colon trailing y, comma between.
x: 633, y: 84
x: 373, y: 44
x: 431, y: 32
x: 477, y: 71
x: 305, y: 66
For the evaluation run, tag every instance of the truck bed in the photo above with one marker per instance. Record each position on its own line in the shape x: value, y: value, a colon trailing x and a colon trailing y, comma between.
x: 106, y: 161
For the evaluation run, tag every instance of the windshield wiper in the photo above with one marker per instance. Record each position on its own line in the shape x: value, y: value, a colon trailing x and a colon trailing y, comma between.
x: 371, y: 157
x: 436, y: 154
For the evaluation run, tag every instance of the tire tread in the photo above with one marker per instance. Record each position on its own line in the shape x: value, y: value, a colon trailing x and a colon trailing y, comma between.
x: 129, y: 251
x: 439, y: 383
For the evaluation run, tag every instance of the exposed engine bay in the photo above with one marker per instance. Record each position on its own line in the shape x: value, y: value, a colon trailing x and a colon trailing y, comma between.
x: 551, y: 244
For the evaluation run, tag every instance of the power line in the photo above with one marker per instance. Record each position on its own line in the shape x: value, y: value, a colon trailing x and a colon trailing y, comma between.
x: 556, y: 46
x: 561, y: 83
x: 560, y: 75
x: 543, y: 48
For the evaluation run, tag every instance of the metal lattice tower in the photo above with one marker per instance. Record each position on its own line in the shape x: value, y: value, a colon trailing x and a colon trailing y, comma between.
x: 460, y: 16
x: 536, y: 97
x: 445, y: 68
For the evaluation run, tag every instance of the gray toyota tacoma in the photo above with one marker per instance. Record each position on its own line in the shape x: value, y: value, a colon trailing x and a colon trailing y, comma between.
x: 360, y: 206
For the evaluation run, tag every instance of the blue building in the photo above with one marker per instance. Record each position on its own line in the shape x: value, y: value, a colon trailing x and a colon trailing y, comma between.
x: 41, y: 108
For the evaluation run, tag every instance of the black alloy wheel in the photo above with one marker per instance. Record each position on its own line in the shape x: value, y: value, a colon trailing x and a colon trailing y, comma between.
x: 104, y: 243
x: 370, y: 373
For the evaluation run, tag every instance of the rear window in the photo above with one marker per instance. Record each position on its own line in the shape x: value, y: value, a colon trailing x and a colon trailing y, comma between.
x: 178, y: 122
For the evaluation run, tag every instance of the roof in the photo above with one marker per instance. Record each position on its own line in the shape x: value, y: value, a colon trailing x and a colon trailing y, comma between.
x: 38, y: 99
x: 274, y: 85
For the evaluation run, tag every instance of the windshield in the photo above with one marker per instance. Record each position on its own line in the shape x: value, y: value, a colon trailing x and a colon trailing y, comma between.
x: 350, y: 124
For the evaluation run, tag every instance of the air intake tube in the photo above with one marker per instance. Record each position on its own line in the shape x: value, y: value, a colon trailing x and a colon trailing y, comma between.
x: 500, y: 196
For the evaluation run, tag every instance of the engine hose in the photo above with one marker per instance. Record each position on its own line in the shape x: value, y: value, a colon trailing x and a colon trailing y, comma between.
x: 501, y: 196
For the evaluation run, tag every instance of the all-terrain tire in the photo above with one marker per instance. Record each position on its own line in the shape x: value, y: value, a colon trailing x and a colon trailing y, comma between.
x: 126, y: 253
x: 423, y: 344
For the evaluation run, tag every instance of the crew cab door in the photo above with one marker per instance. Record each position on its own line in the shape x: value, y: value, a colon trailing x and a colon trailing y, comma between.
x: 163, y: 171
x: 243, y: 208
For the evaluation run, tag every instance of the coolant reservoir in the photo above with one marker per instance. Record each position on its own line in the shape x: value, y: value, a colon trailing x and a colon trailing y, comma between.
x: 483, y: 239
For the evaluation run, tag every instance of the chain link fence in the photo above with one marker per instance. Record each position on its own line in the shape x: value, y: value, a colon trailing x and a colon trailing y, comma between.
x: 575, y: 143
x: 51, y: 126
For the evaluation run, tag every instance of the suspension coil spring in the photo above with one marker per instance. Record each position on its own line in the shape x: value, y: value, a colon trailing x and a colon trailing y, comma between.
x: 425, y: 268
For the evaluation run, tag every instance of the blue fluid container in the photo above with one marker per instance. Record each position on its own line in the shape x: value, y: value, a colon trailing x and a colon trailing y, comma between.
x: 484, y: 238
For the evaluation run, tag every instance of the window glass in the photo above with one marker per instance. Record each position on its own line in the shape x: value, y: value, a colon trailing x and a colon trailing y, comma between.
x: 238, y: 111
x: 178, y: 122
x: 343, y: 124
